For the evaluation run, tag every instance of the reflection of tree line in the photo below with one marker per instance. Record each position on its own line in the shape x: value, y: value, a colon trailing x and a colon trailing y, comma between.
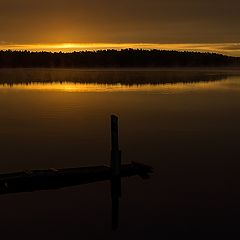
x: 28, y: 76
x: 114, y: 58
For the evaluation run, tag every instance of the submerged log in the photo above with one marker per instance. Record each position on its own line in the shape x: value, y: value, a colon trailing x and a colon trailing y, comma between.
x: 36, y: 180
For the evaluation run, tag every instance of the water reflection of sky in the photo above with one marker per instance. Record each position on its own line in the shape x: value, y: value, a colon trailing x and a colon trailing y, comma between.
x: 191, y: 141
x: 232, y: 83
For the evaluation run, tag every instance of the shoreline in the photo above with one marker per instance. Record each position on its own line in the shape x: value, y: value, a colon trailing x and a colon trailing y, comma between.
x: 131, y: 69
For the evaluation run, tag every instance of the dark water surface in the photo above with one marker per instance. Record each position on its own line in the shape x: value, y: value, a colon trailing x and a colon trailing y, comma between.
x: 188, y: 131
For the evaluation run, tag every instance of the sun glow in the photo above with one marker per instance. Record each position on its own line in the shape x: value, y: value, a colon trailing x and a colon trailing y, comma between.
x: 231, y: 49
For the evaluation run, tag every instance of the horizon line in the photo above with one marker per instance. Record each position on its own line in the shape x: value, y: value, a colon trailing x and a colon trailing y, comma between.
x: 230, y: 49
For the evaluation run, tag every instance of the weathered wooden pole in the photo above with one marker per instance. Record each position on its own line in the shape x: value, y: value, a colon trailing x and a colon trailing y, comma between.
x: 115, y: 152
x: 115, y: 172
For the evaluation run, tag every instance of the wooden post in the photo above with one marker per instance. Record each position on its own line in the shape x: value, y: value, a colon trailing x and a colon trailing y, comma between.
x: 115, y: 152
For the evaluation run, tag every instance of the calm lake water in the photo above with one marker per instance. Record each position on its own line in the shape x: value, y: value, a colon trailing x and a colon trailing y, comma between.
x: 186, y: 125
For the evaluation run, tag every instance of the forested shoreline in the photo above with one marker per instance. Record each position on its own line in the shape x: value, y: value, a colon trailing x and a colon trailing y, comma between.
x: 115, y: 58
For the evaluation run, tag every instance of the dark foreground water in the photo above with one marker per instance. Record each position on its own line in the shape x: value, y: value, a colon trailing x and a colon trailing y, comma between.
x: 187, y: 131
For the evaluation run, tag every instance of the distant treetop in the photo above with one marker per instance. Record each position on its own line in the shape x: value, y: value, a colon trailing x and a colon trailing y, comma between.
x: 115, y: 58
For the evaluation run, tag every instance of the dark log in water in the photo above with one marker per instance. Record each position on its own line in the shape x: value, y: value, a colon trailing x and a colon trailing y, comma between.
x: 59, y: 178
x: 36, y: 180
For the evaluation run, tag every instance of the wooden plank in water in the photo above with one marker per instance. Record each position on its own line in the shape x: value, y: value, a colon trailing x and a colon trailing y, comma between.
x: 59, y: 178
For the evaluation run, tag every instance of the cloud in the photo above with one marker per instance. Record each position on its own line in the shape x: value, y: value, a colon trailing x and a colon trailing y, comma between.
x: 155, y: 21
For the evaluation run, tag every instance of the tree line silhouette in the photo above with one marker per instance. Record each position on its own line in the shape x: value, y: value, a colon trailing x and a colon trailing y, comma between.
x: 115, y: 58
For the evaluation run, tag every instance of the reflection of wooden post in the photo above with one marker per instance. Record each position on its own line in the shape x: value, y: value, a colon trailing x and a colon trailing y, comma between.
x: 115, y: 172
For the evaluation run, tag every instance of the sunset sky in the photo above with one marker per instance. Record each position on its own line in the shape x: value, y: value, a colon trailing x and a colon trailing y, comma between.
x: 69, y: 25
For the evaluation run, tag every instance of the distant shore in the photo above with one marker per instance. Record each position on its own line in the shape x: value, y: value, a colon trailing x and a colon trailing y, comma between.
x: 114, y: 59
x: 229, y: 69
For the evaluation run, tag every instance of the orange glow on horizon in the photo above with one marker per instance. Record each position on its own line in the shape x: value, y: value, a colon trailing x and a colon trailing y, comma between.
x: 231, y: 49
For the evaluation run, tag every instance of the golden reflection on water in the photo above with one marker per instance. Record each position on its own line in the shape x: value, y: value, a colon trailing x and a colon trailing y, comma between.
x: 229, y: 84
